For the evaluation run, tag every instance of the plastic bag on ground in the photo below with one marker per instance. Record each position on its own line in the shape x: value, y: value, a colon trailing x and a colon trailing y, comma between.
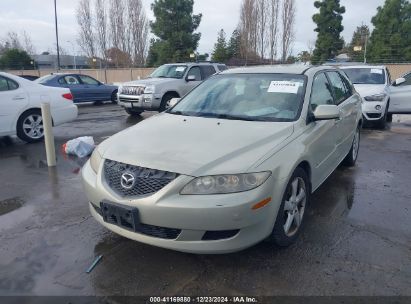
x: 80, y: 147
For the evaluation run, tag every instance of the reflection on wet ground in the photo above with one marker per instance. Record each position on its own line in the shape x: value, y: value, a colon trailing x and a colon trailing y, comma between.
x: 356, y: 241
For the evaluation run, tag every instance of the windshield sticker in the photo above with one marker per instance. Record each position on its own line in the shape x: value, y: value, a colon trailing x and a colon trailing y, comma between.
x: 289, y: 87
x: 376, y: 71
x: 180, y: 69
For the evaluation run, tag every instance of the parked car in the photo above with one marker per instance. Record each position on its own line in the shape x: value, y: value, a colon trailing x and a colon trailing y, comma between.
x: 83, y: 87
x: 29, y: 77
x: 400, y: 96
x: 372, y: 82
x: 20, y: 103
x: 166, y: 82
x: 232, y: 163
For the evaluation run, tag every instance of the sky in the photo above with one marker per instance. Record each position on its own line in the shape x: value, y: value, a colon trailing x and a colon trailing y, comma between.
x: 36, y: 17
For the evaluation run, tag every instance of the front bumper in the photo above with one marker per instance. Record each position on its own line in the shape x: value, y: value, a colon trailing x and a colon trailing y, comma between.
x: 195, y: 216
x: 374, y: 110
x: 140, y: 102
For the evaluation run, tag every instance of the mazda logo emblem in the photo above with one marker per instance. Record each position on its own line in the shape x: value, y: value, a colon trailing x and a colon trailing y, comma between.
x: 128, y: 180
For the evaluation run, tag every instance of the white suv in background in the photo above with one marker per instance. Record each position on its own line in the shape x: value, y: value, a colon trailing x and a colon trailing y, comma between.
x: 372, y: 83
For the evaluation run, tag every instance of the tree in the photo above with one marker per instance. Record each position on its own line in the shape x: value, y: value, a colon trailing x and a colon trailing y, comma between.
x: 220, y: 52
x: 304, y: 57
x: 288, y: 22
x: 85, y: 22
x: 234, y: 45
x: 174, y: 26
x: 273, y: 28
x: 16, y: 59
x: 248, y: 27
x: 101, y: 24
x: 329, y: 28
x: 391, y: 38
x: 139, y: 28
x: 356, y: 48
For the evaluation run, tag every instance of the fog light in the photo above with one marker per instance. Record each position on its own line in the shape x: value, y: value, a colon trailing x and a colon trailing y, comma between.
x: 378, y: 108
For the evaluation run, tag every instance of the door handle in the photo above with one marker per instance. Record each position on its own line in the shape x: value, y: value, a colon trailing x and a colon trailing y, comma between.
x: 18, y: 98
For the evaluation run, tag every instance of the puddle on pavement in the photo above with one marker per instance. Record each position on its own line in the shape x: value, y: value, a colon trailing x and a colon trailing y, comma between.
x: 11, y: 204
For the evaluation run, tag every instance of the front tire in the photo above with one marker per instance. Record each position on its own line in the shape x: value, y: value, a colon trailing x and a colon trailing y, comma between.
x: 165, y: 102
x: 30, y: 126
x: 114, y: 97
x: 292, y: 211
x: 352, y: 156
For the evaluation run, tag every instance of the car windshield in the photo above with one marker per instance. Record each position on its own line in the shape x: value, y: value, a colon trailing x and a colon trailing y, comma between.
x: 169, y: 71
x: 44, y: 79
x: 366, y: 75
x: 253, y: 97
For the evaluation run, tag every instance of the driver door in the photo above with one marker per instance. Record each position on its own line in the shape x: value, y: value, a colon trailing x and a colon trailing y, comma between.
x: 196, y: 72
x: 322, y: 135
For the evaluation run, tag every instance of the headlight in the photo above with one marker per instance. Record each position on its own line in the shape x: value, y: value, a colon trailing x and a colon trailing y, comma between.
x: 377, y: 97
x: 95, y: 160
x: 149, y: 89
x: 224, y: 184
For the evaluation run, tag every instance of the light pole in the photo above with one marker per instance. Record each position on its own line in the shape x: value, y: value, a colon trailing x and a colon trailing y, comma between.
x: 57, y: 36
x: 74, y: 57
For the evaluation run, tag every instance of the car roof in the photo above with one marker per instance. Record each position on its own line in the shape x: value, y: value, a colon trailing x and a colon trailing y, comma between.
x: 278, y: 69
x: 364, y: 66
x: 196, y: 63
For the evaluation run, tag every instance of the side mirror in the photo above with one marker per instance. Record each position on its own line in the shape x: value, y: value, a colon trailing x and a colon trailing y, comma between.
x: 326, y: 112
x: 173, y: 102
x: 399, y: 81
x: 191, y: 78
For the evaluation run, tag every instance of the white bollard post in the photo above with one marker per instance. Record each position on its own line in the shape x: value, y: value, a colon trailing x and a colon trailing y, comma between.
x: 48, y: 134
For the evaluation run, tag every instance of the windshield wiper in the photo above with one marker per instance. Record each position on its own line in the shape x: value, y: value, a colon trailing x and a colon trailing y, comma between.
x: 225, y: 116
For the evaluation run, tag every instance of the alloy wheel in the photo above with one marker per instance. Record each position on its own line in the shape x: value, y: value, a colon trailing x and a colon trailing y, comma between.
x: 33, y: 126
x: 294, y: 206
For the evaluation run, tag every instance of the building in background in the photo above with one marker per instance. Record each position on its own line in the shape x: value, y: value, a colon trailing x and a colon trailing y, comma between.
x: 48, y: 61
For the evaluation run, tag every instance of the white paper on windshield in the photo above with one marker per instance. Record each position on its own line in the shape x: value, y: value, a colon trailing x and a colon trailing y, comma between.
x: 180, y: 69
x: 289, y: 87
x: 376, y: 71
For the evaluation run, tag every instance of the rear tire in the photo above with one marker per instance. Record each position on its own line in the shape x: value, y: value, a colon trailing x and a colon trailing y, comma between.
x: 290, y: 216
x: 352, y: 156
x: 30, y: 126
x: 133, y: 112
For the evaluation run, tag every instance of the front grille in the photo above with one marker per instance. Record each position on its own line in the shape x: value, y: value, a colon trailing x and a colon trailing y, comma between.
x: 150, y: 230
x: 219, y: 235
x: 374, y: 115
x: 146, y: 181
x: 127, y: 100
x: 136, y: 91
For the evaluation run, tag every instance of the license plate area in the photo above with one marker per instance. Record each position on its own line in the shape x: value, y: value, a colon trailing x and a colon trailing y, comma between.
x: 121, y: 216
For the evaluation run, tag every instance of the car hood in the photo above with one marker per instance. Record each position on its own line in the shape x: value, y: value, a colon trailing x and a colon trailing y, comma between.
x: 195, y: 146
x: 369, y: 89
x: 149, y: 81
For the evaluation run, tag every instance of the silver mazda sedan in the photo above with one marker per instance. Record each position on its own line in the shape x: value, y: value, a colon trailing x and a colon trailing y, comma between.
x: 232, y: 163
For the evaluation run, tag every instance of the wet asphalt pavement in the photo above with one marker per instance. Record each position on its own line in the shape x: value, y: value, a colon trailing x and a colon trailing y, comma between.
x: 356, y: 239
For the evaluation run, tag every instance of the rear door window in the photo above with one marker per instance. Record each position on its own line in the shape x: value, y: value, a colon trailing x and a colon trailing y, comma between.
x: 88, y: 80
x: 207, y: 70
x: 72, y: 80
x: 3, y: 84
